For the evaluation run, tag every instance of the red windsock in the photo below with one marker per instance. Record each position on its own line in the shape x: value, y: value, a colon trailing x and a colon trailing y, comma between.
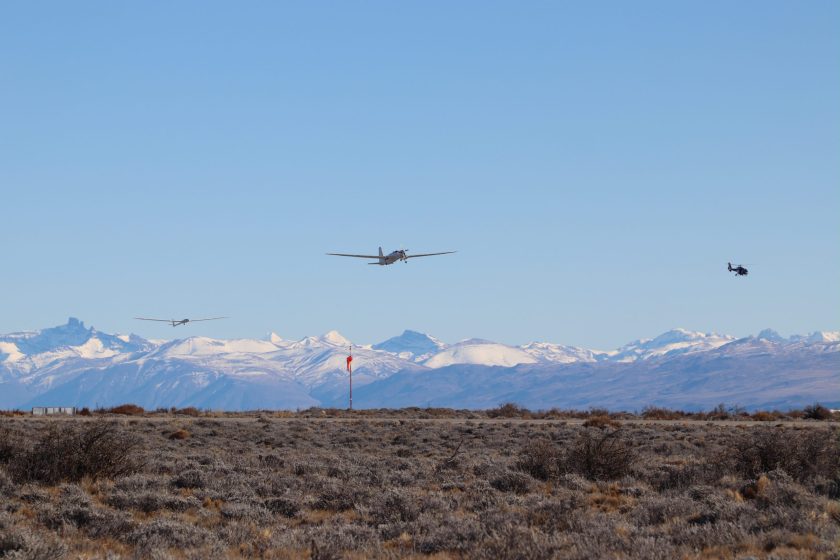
x: 349, y: 359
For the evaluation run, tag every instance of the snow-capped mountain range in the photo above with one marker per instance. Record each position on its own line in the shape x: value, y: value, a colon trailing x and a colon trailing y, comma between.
x: 75, y: 365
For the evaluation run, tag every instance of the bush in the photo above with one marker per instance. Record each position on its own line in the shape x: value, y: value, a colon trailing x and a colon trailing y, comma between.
x: 599, y: 456
x: 718, y: 413
x: 188, y: 411
x: 508, y: 410
x: 816, y: 412
x: 801, y: 455
x: 163, y: 533
x: 394, y: 507
x: 190, y: 478
x: 509, y: 481
x: 282, y: 506
x: 601, y: 422
x: 128, y: 409
x: 23, y: 543
x: 539, y: 459
x: 67, y: 454
x: 10, y: 444
x: 659, y: 413
x: 336, y: 498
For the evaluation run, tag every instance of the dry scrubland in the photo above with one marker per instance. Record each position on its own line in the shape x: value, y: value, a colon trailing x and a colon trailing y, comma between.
x: 272, y: 487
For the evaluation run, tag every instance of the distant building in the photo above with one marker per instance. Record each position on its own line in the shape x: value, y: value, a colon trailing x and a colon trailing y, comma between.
x: 53, y: 410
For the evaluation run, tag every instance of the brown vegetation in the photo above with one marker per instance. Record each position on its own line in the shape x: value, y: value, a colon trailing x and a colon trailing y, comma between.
x: 179, y: 434
x: 69, y: 453
x: 816, y: 412
x: 367, y: 486
x: 127, y: 409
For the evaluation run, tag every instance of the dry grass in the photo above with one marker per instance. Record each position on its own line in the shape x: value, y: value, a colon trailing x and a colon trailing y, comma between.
x: 179, y: 434
x: 602, y: 421
x: 126, y: 409
x: 340, y: 486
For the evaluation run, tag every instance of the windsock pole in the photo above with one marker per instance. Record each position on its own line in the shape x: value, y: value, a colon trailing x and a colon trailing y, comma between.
x: 350, y: 371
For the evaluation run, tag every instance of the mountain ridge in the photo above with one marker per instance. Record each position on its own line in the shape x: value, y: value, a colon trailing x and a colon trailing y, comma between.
x: 76, y: 365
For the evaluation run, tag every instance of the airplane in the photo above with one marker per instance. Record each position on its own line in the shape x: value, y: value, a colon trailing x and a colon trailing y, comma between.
x: 176, y: 323
x: 737, y: 269
x: 391, y: 258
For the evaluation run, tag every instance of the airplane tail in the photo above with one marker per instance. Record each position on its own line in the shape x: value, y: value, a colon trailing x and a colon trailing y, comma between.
x: 381, y: 254
x: 729, y: 266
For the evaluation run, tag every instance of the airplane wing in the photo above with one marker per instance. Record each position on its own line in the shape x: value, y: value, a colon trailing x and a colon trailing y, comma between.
x: 357, y: 256
x: 147, y: 319
x: 429, y: 254
x: 210, y: 319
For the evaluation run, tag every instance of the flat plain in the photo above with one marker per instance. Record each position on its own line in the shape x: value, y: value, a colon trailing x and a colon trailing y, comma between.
x: 272, y: 486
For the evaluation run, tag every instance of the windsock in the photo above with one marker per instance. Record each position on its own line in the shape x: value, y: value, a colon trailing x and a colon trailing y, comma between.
x: 349, y: 360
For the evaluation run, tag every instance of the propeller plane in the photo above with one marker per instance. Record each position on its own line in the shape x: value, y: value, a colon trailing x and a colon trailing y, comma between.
x: 395, y: 256
x: 178, y: 322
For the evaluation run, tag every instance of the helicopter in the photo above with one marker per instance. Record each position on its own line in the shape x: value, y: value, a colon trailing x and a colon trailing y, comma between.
x: 738, y: 269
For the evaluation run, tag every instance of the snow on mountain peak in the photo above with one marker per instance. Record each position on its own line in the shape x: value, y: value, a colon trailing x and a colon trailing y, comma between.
x: 204, y: 346
x: 71, y: 335
x: 558, y: 353
x: 336, y: 338
x: 9, y: 352
x: 412, y: 345
x: 487, y: 354
x: 771, y: 336
x: 823, y: 336
x: 675, y: 341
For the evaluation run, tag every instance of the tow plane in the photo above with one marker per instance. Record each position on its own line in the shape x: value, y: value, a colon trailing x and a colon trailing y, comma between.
x: 178, y: 322
x: 395, y: 256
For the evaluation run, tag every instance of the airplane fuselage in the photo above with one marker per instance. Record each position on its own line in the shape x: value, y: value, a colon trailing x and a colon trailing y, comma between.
x: 394, y: 256
x: 391, y: 258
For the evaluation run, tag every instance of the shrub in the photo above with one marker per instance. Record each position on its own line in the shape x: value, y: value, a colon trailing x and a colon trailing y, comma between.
x: 599, y: 456
x: 189, y: 411
x: 394, y: 507
x: 282, y: 506
x: 190, y: 478
x: 802, y: 455
x: 23, y: 543
x: 65, y: 453
x: 336, y: 498
x: 510, y: 481
x: 6, y: 485
x: 601, y: 422
x: 816, y: 412
x: 10, y: 444
x: 718, y: 413
x: 179, y: 434
x: 150, y: 501
x: 539, y: 459
x: 127, y: 409
x: 659, y: 413
x: 163, y: 533
x: 508, y: 410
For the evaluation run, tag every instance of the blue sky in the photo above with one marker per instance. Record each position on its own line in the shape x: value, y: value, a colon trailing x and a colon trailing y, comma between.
x: 596, y: 164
